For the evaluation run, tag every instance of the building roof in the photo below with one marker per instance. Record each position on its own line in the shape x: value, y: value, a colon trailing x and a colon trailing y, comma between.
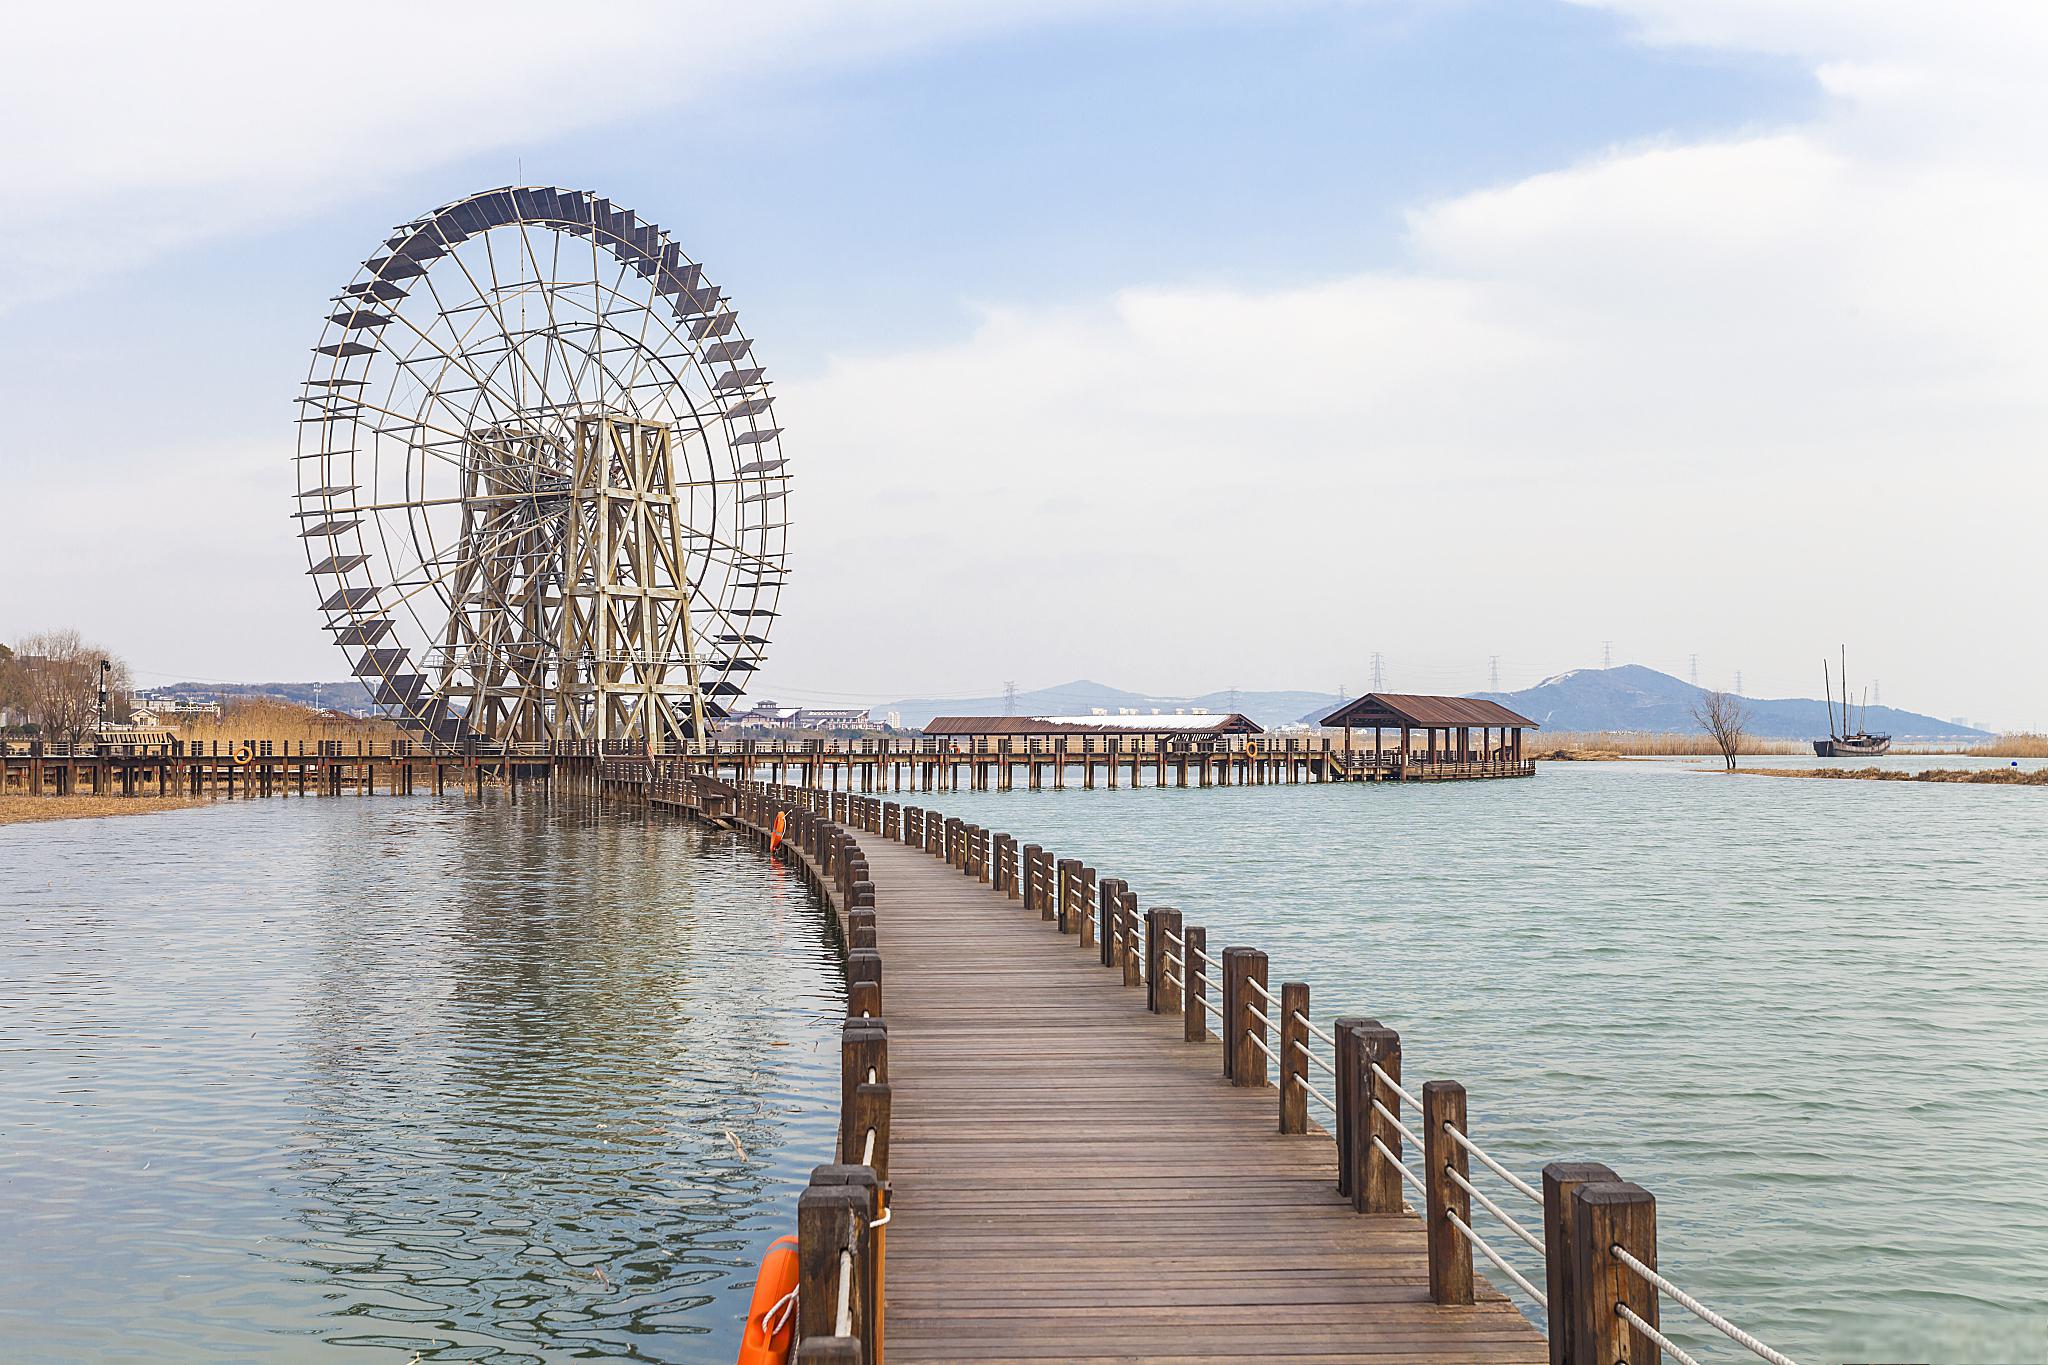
x: 1402, y: 708
x: 1231, y: 724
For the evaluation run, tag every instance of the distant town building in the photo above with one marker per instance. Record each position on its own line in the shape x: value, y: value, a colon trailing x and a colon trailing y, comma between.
x: 766, y: 715
x: 1099, y: 722
x: 150, y: 712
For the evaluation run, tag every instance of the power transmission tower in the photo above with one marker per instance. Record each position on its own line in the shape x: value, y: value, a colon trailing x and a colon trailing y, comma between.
x: 1876, y: 692
x: 1607, y: 654
x: 1378, y: 679
x: 1233, y: 700
x: 1738, y: 682
x: 1009, y: 699
x: 1695, y: 670
x: 1493, y: 672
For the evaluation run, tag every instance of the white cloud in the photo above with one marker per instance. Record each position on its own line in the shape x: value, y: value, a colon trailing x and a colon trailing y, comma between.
x: 1746, y: 396
x: 131, y: 129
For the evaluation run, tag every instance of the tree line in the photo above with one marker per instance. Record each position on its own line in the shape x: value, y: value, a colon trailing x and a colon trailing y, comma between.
x: 50, y: 685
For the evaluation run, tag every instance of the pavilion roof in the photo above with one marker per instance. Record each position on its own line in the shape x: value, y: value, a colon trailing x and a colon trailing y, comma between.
x: 1405, y: 708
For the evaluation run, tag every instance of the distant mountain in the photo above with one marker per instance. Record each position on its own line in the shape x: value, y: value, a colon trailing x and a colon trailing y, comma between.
x: 1632, y: 697
x: 1081, y: 697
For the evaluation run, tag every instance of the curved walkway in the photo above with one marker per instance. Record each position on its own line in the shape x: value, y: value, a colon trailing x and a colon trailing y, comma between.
x: 1072, y: 1182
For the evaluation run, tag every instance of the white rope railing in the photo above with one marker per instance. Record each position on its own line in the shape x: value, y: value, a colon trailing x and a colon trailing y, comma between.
x: 843, y: 1320
x: 1395, y: 1161
x: 1305, y: 1050
x: 1391, y: 1117
x: 1635, y: 1320
x: 1303, y: 1082
x: 1534, y: 1243
x: 1203, y: 1001
x: 1502, y: 1266
x: 1704, y: 1313
x: 1310, y: 1025
x: 1264, y: 994
x: 1503, y: 1172
x: 1260, y: 1044
x: 1396, y: 1086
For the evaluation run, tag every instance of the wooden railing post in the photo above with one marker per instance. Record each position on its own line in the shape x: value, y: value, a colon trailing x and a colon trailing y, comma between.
x: 828, y: 1220
x: 1194, y: 941
x: 1243, y: 1017
x: 863, y: 999
x: 1450, y: 1255
x: 1133, y: 949
x: 1560, y: 1180
x: 1107, y: 892
x: 1031, y: 879
x: 1380, y: 1184
x: 1159, y: 921
x: 870, y: 1114
x: 1293, y: 1056
x: 860, y: 929
x: 1607, y: 1214
x: 1082, y: 917
x: 864, y: 968
x: 1060, y: 905
x: 863, y: 1060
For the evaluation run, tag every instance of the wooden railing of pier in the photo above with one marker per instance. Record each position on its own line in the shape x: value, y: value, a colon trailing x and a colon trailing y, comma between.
x: 264, y: 767
x: 1594, y: 1234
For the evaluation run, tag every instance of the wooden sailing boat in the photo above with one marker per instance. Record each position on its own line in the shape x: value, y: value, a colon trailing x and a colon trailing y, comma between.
x: 1841, y: 742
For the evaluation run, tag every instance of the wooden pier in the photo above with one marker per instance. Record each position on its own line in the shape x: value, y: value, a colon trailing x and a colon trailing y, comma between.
x: 262, y: 767
x: 1073, y: 1132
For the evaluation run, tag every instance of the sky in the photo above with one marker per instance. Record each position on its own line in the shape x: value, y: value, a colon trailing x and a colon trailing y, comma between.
x: 1178, y: 346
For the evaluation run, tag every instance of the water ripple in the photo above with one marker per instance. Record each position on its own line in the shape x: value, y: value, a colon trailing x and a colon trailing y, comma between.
x: 477, y: 1082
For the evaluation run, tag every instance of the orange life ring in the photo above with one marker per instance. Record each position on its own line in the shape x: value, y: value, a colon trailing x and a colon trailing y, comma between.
x: 245, y: 754
x: 775, y: 1283
x: 775, y: 839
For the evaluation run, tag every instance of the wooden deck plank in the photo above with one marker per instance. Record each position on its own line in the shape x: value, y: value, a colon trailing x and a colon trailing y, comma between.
x: 1073, y: 1182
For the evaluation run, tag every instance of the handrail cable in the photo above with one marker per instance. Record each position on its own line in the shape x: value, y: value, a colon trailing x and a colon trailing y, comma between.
x: 1634, y: 1319
x: 1253, y: 982
x: 1502, y: 1266
x: 1534, y: 1243
x: 1203, y: 1000
x: 1395, y: 1162
x: 843, y: 1321
x: 1398, y: 1088
x: 1302, y: 1081
x: 1391, y: 1117
x: 1503, y: 1172
x: 1260, y: 1044
x: 1704, y: 1313
x: 1310, y: 1025
x: 1306, y: 1051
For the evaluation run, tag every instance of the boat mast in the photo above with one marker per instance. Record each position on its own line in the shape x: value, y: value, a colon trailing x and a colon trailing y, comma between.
x: 1829, y: 683
x: 1845, y: 691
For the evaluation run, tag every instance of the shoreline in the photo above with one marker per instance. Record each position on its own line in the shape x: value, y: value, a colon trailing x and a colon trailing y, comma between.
x: 1987, y: 777
x: 28, y: 810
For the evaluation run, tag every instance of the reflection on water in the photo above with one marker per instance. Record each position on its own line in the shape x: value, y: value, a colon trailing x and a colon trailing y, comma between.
x: 1809, y: 1016
x: 472, y: 1082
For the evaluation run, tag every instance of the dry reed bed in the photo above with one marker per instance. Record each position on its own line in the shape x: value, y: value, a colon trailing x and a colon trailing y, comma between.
x: 20, y: 810
x: 1996, y: 777
x: 1609, y: 744
x: 285, y: 723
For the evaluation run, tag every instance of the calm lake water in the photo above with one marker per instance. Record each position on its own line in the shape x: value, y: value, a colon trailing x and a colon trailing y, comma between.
x: 1810, y: 1017
x: 370, y: 1078
x: 363, y: 1078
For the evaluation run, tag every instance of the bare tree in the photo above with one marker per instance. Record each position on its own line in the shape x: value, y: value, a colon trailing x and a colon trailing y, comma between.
x: 60, y: 682
x: 1722, y: 716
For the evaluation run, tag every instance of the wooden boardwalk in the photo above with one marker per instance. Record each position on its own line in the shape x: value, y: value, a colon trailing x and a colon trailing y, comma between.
x: 1073, y: 1182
